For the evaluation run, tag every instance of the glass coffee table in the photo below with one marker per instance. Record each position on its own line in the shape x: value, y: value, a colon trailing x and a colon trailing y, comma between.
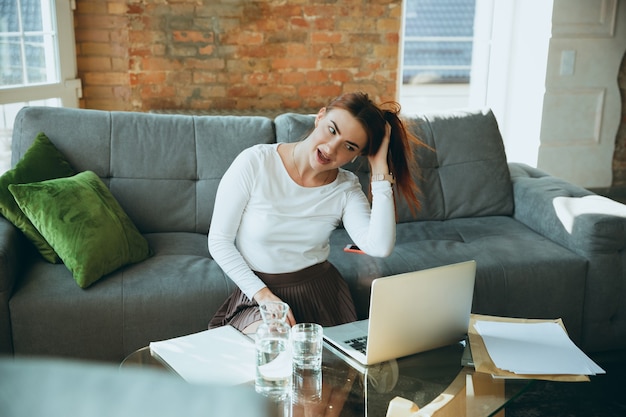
x: 435, y: 381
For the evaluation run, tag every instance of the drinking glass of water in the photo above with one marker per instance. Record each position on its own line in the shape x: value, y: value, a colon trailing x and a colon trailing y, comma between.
x: 307, y: 343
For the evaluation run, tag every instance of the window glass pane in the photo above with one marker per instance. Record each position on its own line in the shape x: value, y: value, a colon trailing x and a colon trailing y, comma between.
x: 438, y: 41
x: 438, y: 53
x: 8, y: 16
x: 11, y: 57
x: 35, y: 59
x: 440, y: 61
x: 31, y: 15
x: 28, y: 43
x: 440, y: 18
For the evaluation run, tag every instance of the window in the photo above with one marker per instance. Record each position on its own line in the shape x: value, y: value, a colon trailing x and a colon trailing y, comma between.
x: 437, y: 54
x: 438, y: 40
x: 28, y: 42
x: 37, y: 61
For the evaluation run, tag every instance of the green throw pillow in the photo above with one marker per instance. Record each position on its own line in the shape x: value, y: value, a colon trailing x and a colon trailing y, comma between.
x: 83, y: 223
x: 42, y: 161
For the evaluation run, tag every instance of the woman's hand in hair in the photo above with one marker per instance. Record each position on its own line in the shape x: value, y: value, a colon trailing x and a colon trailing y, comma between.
x: 378, y: 162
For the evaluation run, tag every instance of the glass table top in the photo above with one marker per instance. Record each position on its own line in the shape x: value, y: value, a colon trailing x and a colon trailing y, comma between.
x: 435, y: 381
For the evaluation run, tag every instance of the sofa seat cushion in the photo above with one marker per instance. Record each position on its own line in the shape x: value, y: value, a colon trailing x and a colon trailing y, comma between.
x: 174, y: 292
x: 51, y: 315
x: 516, y: 267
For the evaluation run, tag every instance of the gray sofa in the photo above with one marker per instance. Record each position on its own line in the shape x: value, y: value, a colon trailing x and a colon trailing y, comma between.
x: 164, y: 171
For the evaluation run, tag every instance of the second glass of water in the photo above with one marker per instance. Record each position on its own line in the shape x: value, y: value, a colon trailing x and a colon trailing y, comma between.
x: 307, y: 342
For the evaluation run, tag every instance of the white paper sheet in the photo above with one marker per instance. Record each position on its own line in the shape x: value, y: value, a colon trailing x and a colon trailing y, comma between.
x: 534, y: 349
x: 219, y: 356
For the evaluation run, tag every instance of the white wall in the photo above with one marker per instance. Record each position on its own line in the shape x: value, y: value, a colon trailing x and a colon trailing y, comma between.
x: 552, y: 83
x: 518, y: 64
x: 582, y: 105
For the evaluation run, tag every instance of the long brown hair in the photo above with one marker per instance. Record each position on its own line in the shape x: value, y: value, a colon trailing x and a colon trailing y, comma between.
x: 401, y: 158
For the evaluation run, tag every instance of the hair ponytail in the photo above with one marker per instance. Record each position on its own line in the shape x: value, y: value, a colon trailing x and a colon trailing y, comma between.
x: 401, y: 158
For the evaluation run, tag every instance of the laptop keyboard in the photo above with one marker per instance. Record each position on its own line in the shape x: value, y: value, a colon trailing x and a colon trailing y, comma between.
x: 358, y: 343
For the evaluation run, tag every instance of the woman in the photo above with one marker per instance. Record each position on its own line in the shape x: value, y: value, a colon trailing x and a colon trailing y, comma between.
x: 277, y: 205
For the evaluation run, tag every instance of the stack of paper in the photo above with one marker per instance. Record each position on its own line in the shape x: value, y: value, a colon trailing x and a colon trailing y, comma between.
x: 538, y: 349
x: 222, y: 356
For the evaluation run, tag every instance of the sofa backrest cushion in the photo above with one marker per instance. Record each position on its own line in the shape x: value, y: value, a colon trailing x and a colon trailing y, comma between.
x: 163, y: 169
x: 463, y: 169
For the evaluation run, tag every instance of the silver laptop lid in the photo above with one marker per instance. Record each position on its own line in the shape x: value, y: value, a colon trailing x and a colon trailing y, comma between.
x: 419, y: 311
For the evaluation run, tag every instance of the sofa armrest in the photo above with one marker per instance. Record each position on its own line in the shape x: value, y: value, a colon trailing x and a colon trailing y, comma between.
x: 594, y: 228
x: 554, y: 208
x: 14, y: 251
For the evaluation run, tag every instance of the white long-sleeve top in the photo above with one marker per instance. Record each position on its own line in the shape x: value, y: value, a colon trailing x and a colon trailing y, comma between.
x: 264, y: 221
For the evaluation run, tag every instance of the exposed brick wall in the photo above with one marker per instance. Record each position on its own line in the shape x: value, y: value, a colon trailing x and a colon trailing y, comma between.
x: 235, y: 54
x: 619, y: 157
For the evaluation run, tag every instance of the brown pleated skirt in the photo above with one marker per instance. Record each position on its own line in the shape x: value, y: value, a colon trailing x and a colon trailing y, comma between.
x: 317, y: 294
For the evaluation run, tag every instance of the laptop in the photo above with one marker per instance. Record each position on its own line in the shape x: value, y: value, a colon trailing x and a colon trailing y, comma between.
x: 409, y: 313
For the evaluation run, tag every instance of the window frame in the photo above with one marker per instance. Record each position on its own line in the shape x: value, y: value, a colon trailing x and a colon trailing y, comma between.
x: 68, y: 89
